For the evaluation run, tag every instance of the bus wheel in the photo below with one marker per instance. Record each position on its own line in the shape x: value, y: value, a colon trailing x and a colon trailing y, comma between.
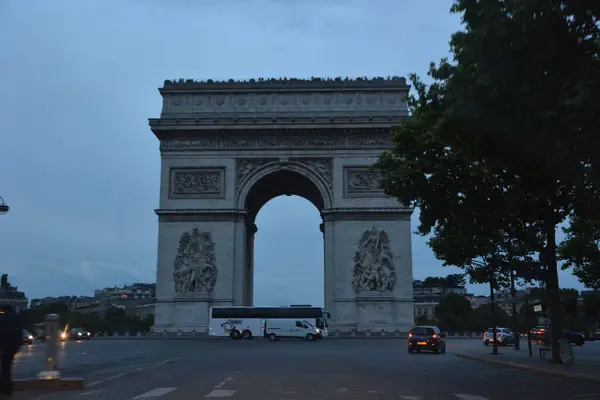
x: 247, y: 335
x: 310, y: 337
x: 235, y: 334
x: 272, y: 337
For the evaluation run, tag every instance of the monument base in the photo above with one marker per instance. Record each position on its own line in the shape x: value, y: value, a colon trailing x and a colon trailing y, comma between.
x: 381, y: 313
x: 181, y: 316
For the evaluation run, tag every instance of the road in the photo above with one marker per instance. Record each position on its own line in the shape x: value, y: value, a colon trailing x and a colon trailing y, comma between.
x: 349, y: 369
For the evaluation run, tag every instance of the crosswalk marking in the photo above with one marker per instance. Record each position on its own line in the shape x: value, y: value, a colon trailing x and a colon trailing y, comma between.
x: 469, y: 397
x: 154, y: 393
x: 220, y: 393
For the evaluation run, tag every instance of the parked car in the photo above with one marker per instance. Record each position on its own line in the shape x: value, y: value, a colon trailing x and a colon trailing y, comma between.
x: 27, y: 337
x: 504, y: 336
x: 538, y: 333
x: 576, y: 338
x: 426, y: 338
x: 80, y: 334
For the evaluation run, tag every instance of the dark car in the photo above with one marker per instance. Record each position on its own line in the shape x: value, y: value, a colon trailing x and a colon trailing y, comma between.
x: 27, y: 337
x: 538, y: 333
x: 576, y: 338
x: 79, y: 334
x: 426, y: 338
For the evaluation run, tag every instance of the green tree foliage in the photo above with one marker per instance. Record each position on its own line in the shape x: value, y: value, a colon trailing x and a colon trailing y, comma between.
x: 453, y: 312
x: 591, y: 309
x: 113, y: 320
x: 581, y: 250
x: 450, y: 281
x: 504, y: 142
x: 480, y: 319
x: 424, y: 321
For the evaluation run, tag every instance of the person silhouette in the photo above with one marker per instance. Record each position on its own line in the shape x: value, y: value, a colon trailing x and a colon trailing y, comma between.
x: 11, y: 339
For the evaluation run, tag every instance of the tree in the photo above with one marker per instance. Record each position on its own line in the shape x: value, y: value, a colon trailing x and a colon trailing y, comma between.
x: 581, y: 250
x: 591, y: 309
x: 453, y: 312
x: 505, y: 68
x: 480, y: 319
x: 506, y: 127
x: 450, y: 281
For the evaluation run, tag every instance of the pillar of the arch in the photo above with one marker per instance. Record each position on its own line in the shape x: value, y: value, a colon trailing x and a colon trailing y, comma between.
x: 367, y: 310
x: 251, y: 230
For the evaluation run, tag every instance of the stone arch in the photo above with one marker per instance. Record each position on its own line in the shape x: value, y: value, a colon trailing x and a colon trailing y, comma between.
x: 264, y: 133
x: 293, y: 169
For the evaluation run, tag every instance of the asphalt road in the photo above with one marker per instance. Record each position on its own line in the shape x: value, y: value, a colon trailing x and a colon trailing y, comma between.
x: 260, y: 370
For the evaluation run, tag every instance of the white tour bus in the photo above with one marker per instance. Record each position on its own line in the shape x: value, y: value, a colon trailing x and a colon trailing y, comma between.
x: 247, y: 322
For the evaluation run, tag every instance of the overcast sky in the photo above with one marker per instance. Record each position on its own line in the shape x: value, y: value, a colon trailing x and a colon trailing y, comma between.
x: 79, y: 166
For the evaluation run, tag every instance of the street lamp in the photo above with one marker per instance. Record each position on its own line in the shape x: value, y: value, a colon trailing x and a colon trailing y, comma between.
x: 3, y: 206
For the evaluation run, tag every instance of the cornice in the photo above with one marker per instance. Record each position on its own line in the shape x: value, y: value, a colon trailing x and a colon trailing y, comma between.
x: 276, y: 84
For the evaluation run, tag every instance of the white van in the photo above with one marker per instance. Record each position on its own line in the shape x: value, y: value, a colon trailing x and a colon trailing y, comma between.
x: 276, y: 328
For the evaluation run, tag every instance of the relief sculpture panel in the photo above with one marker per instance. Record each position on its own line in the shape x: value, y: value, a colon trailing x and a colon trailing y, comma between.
x: 197, y: 183
x: 374, y: 270
x: 245, y: 166
x: 322, y: 166
x: 195, y: 264
x: 362, y: 181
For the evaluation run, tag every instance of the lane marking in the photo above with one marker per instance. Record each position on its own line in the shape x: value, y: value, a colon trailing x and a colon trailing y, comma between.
x: 220, y: 393
x: 410, y: 397
x: 91, y: 384
x: 154, y: 393
x: 110, y: 378
x: 483, y: 377
x: 469, y: 397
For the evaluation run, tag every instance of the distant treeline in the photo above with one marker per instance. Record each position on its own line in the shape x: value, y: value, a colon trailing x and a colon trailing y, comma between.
x: 112, y: 320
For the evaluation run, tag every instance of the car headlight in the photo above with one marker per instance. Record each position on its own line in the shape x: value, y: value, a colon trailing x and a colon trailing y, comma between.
x: 30, y: 337
x: 78, y: 333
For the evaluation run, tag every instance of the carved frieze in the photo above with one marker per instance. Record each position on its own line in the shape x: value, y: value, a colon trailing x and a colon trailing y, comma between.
x: 195, y: 264
x: 358, y: 97
x: 245, y: 166
x: 362, y: 181
x: 197, y: 182
x: 277, y: 142
x: 374, y: 270
x: 322, y: 166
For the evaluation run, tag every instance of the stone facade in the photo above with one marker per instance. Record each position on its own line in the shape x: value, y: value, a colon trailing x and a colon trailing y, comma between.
x: 229, y: 147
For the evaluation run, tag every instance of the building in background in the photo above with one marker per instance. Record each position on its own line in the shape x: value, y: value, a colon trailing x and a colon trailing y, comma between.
x: 11, y: 295
x: 136, y: 299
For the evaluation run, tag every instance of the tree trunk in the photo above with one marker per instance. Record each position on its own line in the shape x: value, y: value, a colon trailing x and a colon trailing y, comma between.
x: 513, y: 293
x: 493, y: 314
x: 553, y: 293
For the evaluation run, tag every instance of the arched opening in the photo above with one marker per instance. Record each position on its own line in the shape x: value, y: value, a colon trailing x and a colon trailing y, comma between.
x: 285, y: 261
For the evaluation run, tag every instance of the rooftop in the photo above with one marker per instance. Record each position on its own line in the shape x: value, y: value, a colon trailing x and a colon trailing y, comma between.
x: 313, y: 83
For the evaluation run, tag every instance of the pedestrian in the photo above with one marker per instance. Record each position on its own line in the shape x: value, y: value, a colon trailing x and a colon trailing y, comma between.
x: 11, y: 339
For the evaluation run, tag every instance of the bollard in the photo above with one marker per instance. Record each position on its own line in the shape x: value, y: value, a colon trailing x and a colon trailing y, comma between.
x: 50, y: 370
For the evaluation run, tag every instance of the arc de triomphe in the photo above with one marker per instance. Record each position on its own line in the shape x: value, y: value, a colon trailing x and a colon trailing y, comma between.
x: 229, y: 147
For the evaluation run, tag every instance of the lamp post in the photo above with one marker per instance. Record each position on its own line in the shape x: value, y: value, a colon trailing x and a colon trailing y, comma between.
x: 3, y: 206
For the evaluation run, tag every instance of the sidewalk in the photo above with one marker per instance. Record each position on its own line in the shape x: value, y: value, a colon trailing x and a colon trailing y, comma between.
x: 586, y: 366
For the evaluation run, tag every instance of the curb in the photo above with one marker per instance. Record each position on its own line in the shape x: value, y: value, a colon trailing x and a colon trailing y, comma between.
x: 563, y: 374
x: 42, y: 385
